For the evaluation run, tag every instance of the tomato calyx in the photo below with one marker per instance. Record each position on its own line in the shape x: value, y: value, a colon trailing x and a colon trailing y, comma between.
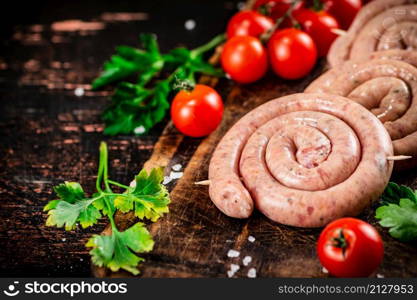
x: 340, y: 242
x: 183, y: 85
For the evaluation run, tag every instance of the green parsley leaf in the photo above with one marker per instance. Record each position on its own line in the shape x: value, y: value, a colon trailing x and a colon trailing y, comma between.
x: 137, y: 107
x: 149, y: 198
x: 72, y: 208
x: 394, y: 192
x: 400, y: 218
x: 117, y: 251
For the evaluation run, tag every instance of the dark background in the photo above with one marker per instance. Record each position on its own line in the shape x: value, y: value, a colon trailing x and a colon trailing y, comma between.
x: 49, y: 135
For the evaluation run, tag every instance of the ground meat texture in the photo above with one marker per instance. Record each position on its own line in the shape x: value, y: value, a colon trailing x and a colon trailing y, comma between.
x: 380, y: 25
x: 388, y: 88
x: 302, y: 160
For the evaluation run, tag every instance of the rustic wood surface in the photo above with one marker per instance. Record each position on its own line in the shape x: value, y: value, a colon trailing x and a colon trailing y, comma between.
x: 50, y: 135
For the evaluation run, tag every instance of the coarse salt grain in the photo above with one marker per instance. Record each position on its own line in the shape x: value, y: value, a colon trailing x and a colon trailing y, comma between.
x: 233, y: 269
x: 241, y: 5
x: 246, y: 260
x: 139, y: 130
x: 190, y: 24
x: 167, y: 179
x: 379, y: 276
x: 252, y: 273
x: 176, y: 167
x: 64, y: 239
x: 251, y: 239
x: 176, y: 175
x: 79, y: 92
x: 324, y: 270
x: 233, y: 253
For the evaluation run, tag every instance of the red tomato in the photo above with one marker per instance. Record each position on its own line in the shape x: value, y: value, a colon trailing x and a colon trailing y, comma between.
x: 248, y: 23
x: 350, y: 247
x: 292, y: 53
x: 319, y: 26
x: 276, y: 8
x: 244, y: 58
x: 198, y: 112
x: 343, y: 10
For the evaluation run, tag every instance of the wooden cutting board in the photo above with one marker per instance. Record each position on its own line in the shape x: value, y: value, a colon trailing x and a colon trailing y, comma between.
x: 194, y: 239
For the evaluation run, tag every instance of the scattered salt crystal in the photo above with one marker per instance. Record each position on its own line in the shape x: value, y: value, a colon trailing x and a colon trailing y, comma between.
x: 139, y: 130
x: 241, y: 5
x: 233, y: 253
x: 252, y: 273
x: 64, y: 239
x: 379, y: 276
x: 79, y: 92
x: 176, y: 167
x: 132, y: 183
x: 246, y: 260
x: 190, y: 24
x: 175, y: 175
x: 233, y: 269
x: 251, y: 239
x: 81, y: 259
x: 167, y: 179
x: 324, y: 270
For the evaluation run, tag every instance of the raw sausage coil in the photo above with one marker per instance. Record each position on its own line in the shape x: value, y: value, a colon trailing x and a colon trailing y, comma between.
x: 380, y: 25
x: 388, y: 88
x: 302, y: 160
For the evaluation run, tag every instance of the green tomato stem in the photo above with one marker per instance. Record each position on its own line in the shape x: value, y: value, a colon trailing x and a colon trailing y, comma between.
x: 288, y: 14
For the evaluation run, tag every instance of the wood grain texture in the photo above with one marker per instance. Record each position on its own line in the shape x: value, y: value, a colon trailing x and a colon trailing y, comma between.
x: 49, y: 135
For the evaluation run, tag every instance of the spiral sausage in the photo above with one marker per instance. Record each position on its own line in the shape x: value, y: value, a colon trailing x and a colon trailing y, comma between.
x: 306, y: 159
x: 388, y: 88
x: 380, y: 25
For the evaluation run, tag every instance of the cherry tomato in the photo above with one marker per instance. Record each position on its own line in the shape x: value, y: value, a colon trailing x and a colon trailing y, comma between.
x: 248, y: 23
x: 319, y: 26
x: 244, y: 58
x: 343, y: 10
x: 277, y: 8
x: 198, y: 112
x: 350, y: 247
x: 292, y: 53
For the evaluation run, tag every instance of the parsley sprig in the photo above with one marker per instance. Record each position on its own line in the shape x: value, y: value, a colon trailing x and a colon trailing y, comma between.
x: 137, y: 107
x: 399, y: 212
x: 148, y: 199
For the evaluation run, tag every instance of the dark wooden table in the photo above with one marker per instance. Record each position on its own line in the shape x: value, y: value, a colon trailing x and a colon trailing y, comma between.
x: 50, y: 134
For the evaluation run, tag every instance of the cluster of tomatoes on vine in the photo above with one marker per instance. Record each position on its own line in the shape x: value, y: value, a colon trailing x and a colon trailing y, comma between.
x: 288, y: 35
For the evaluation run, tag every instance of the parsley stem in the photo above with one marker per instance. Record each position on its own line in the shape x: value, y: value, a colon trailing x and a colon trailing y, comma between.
x: 103, y: 150
x: 118, y: 184
x: 110, y: 215
x: 210, y: 45
x: 104, y: 166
